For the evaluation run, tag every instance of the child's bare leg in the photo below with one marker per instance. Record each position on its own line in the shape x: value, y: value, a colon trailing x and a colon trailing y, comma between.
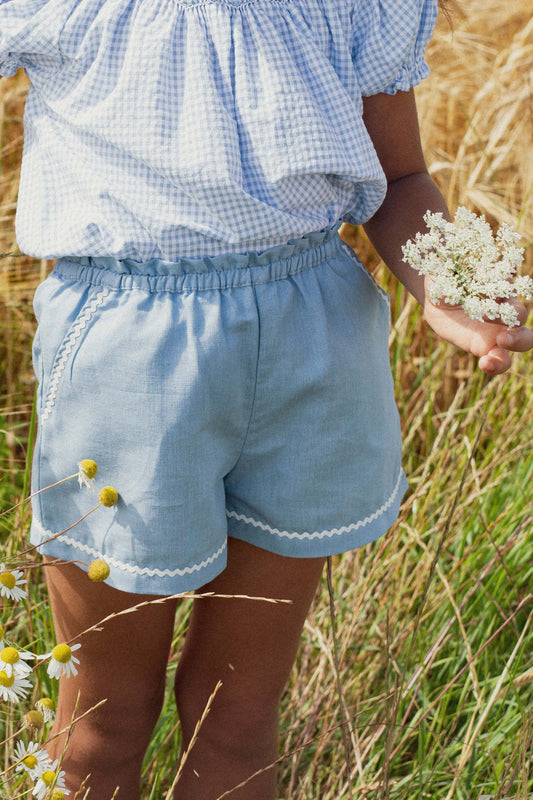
x: 250, y: 646
x: 124, y: 663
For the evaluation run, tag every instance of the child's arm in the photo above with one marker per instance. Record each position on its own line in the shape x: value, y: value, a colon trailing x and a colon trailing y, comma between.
x: 392, y: 123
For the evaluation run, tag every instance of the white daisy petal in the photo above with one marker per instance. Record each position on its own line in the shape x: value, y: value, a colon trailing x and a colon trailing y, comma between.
x: 31, y: 759
x: 46, y: 706
x: 50, y: 777
x: 13, y: 687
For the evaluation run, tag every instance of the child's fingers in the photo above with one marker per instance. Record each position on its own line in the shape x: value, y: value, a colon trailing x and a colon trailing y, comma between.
x: 495, y: 361
x: 518, y: 339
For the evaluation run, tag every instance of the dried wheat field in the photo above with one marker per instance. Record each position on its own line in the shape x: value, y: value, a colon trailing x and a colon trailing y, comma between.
x: 421, y: 683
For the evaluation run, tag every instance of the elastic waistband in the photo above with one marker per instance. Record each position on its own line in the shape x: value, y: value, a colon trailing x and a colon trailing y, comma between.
x: 196, y: 274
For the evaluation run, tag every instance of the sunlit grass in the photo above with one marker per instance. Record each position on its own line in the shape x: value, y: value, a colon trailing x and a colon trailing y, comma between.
x: 433, y: 621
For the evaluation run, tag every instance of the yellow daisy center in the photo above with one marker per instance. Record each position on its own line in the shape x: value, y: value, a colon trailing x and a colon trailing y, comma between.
x: 88, y: 467
x: 34, y: 718
x: 108, y: 496
x: 47, y: 702
x: 9, y: 655
x: 8, y: 579
x: 62, y: 653
x: 30, y: 762
x: 48, y: 776
x: 98, y: 570
x: 57, y: 794
x: 5, y: 681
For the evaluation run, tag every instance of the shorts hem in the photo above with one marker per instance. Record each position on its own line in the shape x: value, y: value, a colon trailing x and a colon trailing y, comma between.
x: 319, y: 543
x: 128, y: 577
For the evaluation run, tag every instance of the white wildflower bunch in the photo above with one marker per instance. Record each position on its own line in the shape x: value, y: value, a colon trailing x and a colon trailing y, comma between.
x: 469, y: 266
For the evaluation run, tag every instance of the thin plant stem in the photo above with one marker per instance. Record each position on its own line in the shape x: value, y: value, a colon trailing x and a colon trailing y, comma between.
x: 193, y: 741
x: 336, y: 665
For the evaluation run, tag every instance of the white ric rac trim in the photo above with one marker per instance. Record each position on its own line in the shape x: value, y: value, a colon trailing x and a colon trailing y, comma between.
x: 132, y: 568
x: 66, y: 348
x: 322, y: 534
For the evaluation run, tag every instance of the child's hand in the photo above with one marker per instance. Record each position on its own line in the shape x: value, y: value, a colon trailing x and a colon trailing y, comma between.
x: 489, y: 341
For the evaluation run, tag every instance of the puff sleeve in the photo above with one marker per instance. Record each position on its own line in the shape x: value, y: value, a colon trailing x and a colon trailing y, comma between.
x: 389, y: 42
x: 29, y: 33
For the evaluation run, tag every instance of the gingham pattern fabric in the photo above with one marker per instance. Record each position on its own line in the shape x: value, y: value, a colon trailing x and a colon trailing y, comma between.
x: 171, y: 128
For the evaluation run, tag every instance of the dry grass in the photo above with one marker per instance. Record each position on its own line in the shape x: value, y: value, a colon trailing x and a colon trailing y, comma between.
x: 433, y: 621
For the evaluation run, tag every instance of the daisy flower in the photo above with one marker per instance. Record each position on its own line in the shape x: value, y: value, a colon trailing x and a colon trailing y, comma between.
x: 108, y: 496
x: 10, y: 583
x: 13, y: 687
x: 34, y: 719
x: 62, y: 661
x: 50, y: 777
x: 87, y: 471
x: 46, y: 706
x: 98, y: 570
x: 31, y: 759
x: 12, y: 661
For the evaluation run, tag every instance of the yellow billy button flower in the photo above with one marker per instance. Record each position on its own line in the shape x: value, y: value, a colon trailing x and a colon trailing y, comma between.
x: 87, y: 471
x: 108, y: 496
x: 98, y: 570
x: 62, y: 661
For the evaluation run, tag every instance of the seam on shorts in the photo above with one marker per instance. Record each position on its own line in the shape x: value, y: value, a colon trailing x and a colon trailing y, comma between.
x: 256, y: 381
x: 63, y: 354
x: 353, y: 256
x: 327, y: 533
x: 132, y: 568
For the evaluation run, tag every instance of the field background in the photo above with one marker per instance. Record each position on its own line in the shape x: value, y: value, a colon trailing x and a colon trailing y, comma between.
x: 433, y: 622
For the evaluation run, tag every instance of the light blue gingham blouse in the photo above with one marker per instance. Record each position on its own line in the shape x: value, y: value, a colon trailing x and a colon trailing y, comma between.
x: 168, y: 128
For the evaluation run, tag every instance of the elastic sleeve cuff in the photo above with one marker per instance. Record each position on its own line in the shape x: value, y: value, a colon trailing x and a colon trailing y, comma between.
x: 409, y: 75
x: 8, y: 66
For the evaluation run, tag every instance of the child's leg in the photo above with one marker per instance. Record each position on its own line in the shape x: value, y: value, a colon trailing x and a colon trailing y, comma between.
x: 250, y: 646
x: 125, y: 662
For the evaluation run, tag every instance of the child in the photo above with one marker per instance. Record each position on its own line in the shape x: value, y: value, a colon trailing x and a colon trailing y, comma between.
x: 208, y: 340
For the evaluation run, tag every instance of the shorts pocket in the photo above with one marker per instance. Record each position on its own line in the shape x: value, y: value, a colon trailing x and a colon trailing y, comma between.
x: 65, y: 312
x: 382, y: 294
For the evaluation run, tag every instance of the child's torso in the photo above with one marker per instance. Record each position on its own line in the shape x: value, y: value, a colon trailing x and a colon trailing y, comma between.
x: 168, y: 128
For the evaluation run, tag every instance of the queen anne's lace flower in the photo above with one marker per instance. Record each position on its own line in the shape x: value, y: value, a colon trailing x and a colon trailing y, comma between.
x: 31, y: 759
x: 470, y: 267
x: 10, y: 583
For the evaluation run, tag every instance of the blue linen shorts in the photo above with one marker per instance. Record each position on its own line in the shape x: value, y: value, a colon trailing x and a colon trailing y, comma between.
x: 240, y: 395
